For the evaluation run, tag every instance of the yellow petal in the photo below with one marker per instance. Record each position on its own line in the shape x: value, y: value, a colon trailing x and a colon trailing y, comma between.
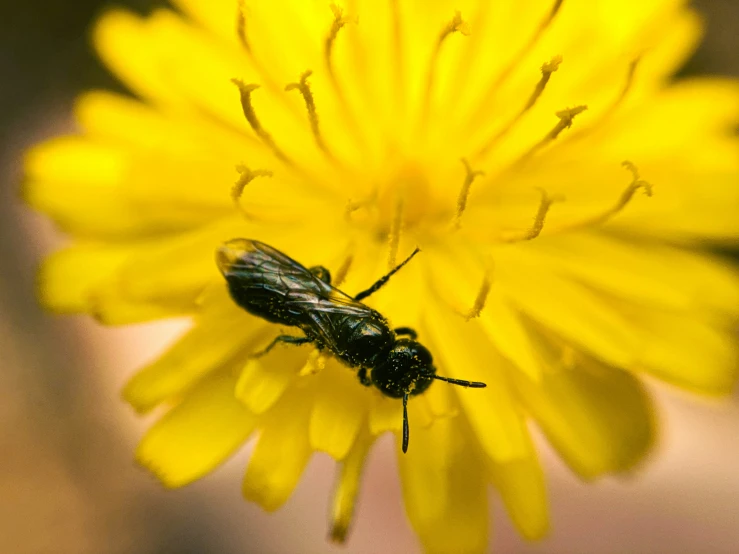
x: 599, y: 419
x: 347, y: 486
x: 521, y: 485
x: 569, y: 309
x: 386, y: 414
x: 67, y: 276
x: 221, y: 334
x: 685, y: 349
x: 444, y: 488
x: 262, y: 381
x: 126, y: 46
x: 340, y: 408
x: 282, y: 452
x: 649, y: 273
x: 197, y: 435
x: 459, y: 282
x: 462, y: 351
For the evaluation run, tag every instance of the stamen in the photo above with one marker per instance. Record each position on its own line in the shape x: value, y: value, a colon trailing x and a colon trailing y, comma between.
x: 465, y: 192
x: 304, y: 88
x: 626, y: 196
x: 566, y: 117
x: 482, y: 296
x: 611, y: 110
x: 336, y: 26
x: 394, y: 236
x: 546, y: 73
x: 541, y: 215
x: 516, y: 60
x: 246, y: 176
x: 241, y: 26
x: 338, y: 23
x: 456, y: 25
x: 241, y: 33
x: 251, y: 117
x: 399, y: 56
x: 342, y: 272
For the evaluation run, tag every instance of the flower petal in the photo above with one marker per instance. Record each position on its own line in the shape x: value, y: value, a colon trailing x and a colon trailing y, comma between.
x: 444, y: 488
x: 692, y: 353
x: 571, y: 310
x: 652, y: 274
x: 600, y: 419
x: 198, y: 434
x: 339, y: 410
x: 520, y: 484
x: 347, y: 486
x: 221, y: 333
x: 282, y: 452
x: 463, y: 352
x: 263, y: 381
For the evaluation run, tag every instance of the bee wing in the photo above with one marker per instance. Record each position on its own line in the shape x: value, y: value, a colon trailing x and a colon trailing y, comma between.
x: 326, y: 314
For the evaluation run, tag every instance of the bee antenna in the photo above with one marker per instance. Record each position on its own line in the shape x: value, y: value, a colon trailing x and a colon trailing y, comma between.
x: 406, y: 430
x: 462, y: 383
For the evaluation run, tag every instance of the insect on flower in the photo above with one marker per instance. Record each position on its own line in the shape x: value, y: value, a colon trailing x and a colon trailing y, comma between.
x: 269, y: 284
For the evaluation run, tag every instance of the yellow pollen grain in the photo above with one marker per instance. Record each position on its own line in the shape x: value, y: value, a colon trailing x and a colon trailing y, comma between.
x: 246, y: 176
x: 566, y: 117
x: 456, y: 25
x: 464, y: 192
x: 304, y: 88
x: 245, y: 90
x: 547, y: 69
x: 315, y: 363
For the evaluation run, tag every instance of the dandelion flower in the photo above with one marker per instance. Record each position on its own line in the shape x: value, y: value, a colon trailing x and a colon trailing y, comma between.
x: 562, y: 189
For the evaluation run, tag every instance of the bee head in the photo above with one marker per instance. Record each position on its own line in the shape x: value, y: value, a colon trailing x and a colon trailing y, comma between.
x: 406, y: 370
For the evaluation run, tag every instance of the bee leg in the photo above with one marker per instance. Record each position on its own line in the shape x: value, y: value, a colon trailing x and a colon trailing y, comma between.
x: 382, y: 280
x: 406, y: 331
x: 288, y: 339
x: 363, y: 378
x: 322, y: 273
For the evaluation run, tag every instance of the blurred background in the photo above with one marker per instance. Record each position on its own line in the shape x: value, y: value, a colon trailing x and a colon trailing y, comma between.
x: 68, y: 483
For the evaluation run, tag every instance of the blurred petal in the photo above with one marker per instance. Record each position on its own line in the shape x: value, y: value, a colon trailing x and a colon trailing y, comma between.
x: 282, y: 452
x: 464, y: 353
x: 198, y: 434
x: 339, y: 410
x: 599, y: 418
x: 444, y: 489
x: 220, y: 334
x: 347, y: 486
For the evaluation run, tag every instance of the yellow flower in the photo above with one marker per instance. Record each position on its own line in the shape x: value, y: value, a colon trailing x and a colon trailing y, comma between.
x: 489, y: 134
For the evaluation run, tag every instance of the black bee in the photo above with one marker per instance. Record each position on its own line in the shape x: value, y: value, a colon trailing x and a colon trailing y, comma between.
x: 269, y: 284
